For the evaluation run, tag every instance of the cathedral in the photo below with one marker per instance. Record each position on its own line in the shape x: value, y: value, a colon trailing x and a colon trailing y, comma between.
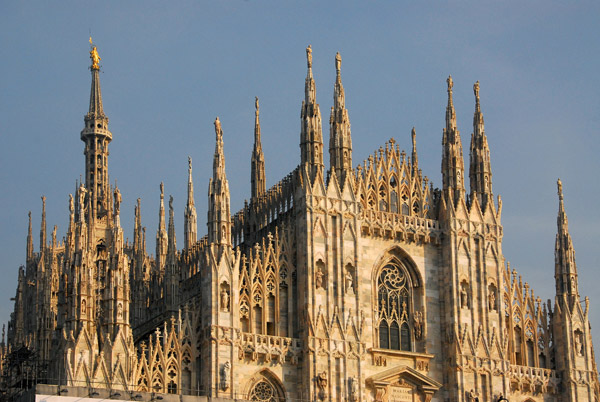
x: 339, y: 283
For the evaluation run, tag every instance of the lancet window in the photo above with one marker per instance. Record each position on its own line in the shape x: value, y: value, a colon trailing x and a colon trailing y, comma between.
x: 394, y: 304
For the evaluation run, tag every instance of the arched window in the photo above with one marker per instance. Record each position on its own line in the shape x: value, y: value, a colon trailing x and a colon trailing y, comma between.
x: 394, y: 297
x: 264, y: 391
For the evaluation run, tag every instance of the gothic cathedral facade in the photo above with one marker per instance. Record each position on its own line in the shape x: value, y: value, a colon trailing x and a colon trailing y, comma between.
x: 338, y: 283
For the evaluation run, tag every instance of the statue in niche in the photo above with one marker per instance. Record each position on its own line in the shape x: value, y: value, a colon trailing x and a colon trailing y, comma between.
x: 354, y: 389
x: 319, y: 278
x: 322, y: 384
x: 348, y: 282
x: 224, y: 300
x: 472, y: 396
x: 464, y: 297
x: 579, y: 343
x: 492, y: 300
x: 418, y: 325
x: 225, y: 376
x: 119, y: 310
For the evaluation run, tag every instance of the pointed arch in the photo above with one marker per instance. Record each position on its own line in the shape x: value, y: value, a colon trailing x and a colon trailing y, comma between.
x: 398, y: 294
x: 265, y: 386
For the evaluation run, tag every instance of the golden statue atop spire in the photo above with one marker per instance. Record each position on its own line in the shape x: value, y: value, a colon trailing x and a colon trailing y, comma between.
x: 94, y: 56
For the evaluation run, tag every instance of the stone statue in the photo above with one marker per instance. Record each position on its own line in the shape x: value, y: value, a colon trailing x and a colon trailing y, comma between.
x: 338, y: 62
x: 464, y: 297
x: 348, y: 280
x: 224, y: 300
x: 418, y: 325
x: 54, y: 236
x: 82, y: 193
x: 171, y: 202
x: 225, y: 376
x: 218, y: 126
x: 492, y: 300
x: 578, y: 343
x: 450, y: 83
x: 319, y: 278
x: 322, y: 384
x: 354, y: 389
x: 71, y: 204
x: 118, y: 200
x: 309, y: 56
x: 473, y: 396
x: 95, y: 58
x: 256, y: 103
x: 476, y: 90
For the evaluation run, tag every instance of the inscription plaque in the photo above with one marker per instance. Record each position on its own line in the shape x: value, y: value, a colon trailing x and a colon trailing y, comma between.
x: 401, y: 394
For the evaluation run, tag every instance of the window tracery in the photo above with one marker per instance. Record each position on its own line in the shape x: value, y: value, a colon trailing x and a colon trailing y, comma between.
x: 394, y: 305
x: 264, y: 391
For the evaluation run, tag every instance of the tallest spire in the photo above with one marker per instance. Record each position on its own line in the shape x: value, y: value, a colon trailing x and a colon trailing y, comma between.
x: 95, y: 94
x: 96, y: 136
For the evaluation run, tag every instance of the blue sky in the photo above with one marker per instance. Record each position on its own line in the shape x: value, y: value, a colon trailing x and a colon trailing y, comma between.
x: 168, y: 69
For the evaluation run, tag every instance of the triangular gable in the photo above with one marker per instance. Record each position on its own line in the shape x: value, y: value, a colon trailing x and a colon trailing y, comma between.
x: 402, y: 376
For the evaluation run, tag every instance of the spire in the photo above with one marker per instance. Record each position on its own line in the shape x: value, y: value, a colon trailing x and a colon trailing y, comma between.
x: 171, y: 279
x: 452, y: 156
x: 450, y: 112
x: 414, y: 156
x: 96, y: 108
x: 219, y: 217
x: 29, y: 240
x: 43, y: 226
x: 564, y: 254
x: 480, y: 170
x: 257, y: 164
x: 96, y: 136
x: 172, y: 247
x: 161, y: 232
x: 311, y: 135
x: 340, y: 140
x: 137, y: 229
x: 190, y: 219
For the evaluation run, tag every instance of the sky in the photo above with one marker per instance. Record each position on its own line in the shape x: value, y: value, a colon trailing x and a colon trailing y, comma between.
x: 169, y: 68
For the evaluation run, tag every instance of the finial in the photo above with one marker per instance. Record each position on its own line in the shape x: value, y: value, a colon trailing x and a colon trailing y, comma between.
x: 338, y: 62
x: 256, y: 106
x: 560, y: 192
x: 309, y: 56
x: 450, y: 83
x: 94, y: 56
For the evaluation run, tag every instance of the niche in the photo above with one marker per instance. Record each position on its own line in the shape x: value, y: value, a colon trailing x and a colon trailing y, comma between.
x: 320, y: 275
x: 224, y: 297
